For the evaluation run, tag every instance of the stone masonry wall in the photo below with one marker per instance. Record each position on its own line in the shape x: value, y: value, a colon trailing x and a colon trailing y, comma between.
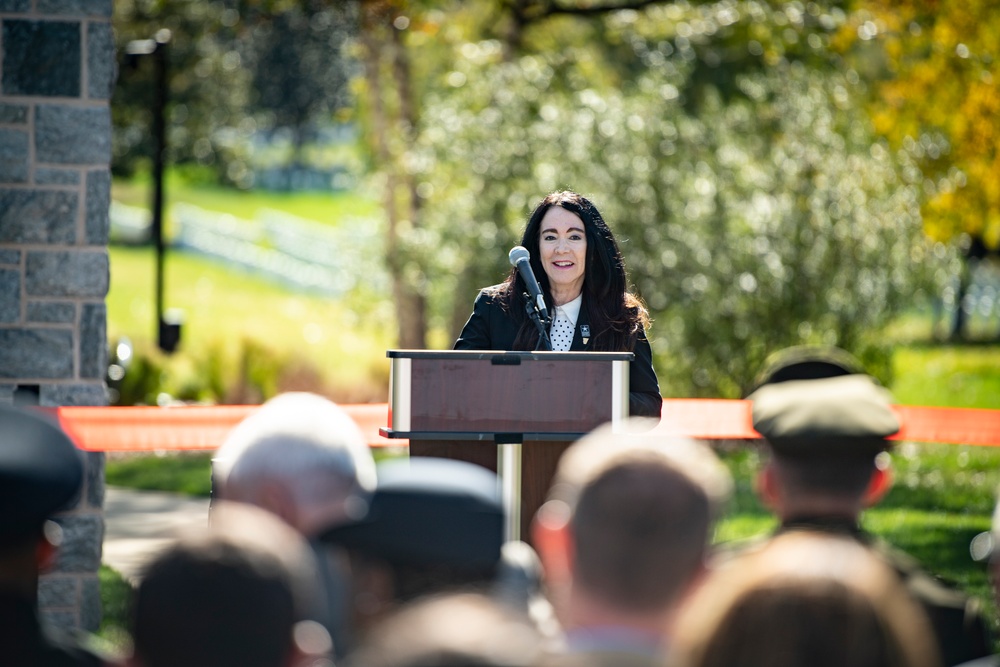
x: 57, y: 69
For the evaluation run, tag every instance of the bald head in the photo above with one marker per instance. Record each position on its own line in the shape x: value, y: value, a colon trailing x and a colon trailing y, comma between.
x: 301, y: 457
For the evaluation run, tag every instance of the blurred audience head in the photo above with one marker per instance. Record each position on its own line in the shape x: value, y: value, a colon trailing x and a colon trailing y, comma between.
x: 433, y: 525
x: 626, y: 530
x: 301, y: 457
x: 235, y: 594
x: 456, y: 630
x: 827, y: 425
x: 804, y: 599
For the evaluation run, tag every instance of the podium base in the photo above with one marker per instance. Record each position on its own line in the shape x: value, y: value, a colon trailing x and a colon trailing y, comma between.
x: 539, y: 459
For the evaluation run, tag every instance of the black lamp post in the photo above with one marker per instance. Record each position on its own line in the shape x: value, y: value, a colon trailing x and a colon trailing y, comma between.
x: 168, y: 327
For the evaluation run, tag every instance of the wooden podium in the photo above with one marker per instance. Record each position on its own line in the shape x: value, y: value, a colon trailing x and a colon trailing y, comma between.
x: 512, y: 412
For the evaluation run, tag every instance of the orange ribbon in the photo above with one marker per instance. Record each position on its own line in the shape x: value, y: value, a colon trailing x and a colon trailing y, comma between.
x: 148, y: 429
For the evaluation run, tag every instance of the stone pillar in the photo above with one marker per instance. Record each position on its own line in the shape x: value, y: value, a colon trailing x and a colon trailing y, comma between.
x: 57, y: 69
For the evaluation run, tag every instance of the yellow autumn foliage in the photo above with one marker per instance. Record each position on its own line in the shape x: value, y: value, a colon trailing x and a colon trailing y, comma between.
x: 942, y: 80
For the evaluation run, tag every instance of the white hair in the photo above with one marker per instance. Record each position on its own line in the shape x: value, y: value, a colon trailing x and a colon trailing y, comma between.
x: 303, y: 441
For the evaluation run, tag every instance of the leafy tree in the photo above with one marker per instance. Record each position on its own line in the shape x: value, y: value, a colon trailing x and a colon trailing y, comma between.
x: 207, y: 85
x: 299, y: 66
x: 936, y: 94
x: 756, y: 206
x: 391, y: 106
x: 235, y: 68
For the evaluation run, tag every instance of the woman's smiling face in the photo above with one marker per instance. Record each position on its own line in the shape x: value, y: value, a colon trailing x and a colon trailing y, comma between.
x: 562, y: 245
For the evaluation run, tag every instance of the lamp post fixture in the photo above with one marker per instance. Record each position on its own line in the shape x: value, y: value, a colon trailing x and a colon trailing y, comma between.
x: 168, y: 332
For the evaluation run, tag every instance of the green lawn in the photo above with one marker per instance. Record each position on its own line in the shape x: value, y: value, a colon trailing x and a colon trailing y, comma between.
x: 245, y: 337
x: 947, y: 375
x: 116, y: 591
x: 232, y: 319
x: 188, y: 472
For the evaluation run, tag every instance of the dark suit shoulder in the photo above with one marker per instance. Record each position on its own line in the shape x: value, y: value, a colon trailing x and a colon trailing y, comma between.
x: 490, y: 326
x: 492, y: 296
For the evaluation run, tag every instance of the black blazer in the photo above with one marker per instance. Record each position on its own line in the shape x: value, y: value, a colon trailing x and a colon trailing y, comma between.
x: 490, y: 327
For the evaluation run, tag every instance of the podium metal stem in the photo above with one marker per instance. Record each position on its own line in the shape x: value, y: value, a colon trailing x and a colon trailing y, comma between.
x: 509, y: 471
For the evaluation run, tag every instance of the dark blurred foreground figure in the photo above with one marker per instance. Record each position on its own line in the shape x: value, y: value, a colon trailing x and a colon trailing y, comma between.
x: 458, y: 630
x: 40, y: 473
x: 624, y: 538
x: 580, y: 270
x: 433, y: 526
x: 827, y: 425
x: 806, y: 598
x: 233, y: 595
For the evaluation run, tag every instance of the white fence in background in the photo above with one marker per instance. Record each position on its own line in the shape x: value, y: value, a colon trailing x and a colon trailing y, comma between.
x: 130, y: 225
x: 300, y: 253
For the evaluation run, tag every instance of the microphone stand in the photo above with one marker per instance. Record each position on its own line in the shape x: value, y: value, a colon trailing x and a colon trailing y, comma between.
x: 543, y: 335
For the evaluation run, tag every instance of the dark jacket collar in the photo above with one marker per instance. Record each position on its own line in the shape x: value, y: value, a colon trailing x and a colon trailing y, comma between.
x: 827, y: 524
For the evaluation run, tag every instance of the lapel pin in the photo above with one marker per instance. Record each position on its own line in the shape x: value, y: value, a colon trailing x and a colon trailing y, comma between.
x: 585, y: 333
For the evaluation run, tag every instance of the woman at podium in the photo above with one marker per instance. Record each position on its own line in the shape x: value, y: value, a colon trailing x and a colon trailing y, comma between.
x: 579, y: 268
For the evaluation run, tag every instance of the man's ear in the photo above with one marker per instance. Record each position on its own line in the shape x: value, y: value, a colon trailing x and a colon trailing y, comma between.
x: 550, y: 532
x: 878, y: 485
x: 45, y: 554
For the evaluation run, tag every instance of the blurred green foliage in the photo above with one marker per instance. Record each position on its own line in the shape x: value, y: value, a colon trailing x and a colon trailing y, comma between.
x: 245, y: 373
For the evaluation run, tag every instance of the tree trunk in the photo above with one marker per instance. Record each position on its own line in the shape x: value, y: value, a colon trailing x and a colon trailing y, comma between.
x: 399, y: 190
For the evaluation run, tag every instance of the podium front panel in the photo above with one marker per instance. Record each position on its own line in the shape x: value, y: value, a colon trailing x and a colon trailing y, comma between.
x: 502, y: 392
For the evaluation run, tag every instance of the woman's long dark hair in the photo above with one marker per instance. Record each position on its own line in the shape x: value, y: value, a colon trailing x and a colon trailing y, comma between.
x: 616, y: 316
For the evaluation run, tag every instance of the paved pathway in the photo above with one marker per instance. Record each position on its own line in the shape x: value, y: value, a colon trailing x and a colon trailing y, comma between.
x: 139, y: 523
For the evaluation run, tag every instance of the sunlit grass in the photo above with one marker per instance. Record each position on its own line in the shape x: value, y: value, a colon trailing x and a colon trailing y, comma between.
x: 333, y: 346
x: 739, y: 527
x: 113, y: 637
x: 947, y: 375
x: 343, y: 341
x: 189, y: 473
x: 937, y: 540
